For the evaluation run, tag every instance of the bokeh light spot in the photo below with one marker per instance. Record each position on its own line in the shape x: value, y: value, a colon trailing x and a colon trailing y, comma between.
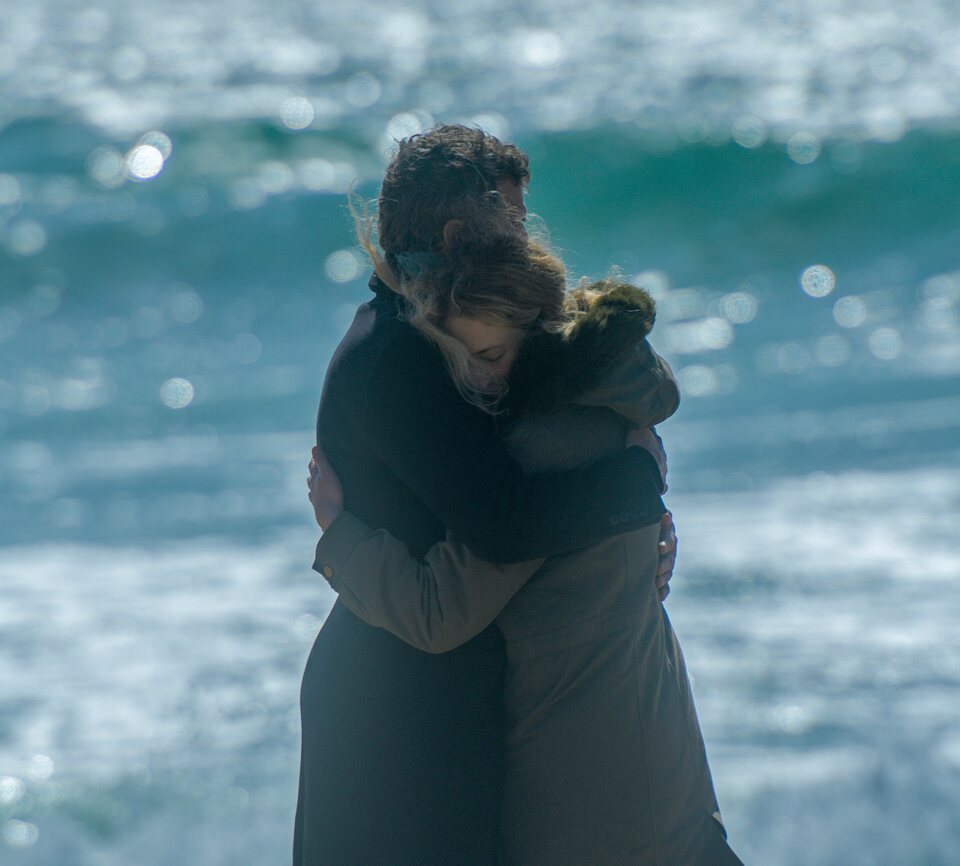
x: 657, y: 283
x: 246, y: 194
x: 803, y: 148
x: 144, y: 162
x: 542, y: 48
x: 697, y: 380
x: 297, y: 113
x: 408, y: 123
x: 275, y: 177
x: 363, y: 89
x: 342, y: 266
x: 938, y: 314
x: 886, y: 123
x: 818, y: 281
x: 749, y: 131
x: 40, y: 768
x: 850, y: 312
x: 306, y: 626
x: 318, y: 174
x: 11, y: 790
x: 942, y: 286
x: 105, y: 165
x: 245, y: 348
x: 791, y: 719
x: 715, y: 333
x: 19, y: 834
x: 176, y: 393
x: 9, y: 190
x: 885, y: 343
x: 739, y: 307
x: 27, y: 238
x: 186, y: 307
x: 496, y: 124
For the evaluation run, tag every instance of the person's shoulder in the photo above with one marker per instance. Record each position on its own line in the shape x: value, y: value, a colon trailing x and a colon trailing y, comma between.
x: 377, y: 326
x: 385, y: 350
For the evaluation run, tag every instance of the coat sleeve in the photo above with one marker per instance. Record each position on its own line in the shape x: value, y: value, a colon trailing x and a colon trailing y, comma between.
x: 638, y: 385
x: 449, y: 454
x: 434, y: 605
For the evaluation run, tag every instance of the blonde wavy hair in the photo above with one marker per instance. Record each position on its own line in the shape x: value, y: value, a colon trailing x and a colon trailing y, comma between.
x: 510, y: 279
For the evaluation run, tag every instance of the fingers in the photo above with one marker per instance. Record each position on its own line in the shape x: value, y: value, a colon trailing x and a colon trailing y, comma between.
x: 666, y: 545
x: 667, y: 549
x: 668, y: 559
x: 666, y: 525
x: 665, y: 572
x: 668, y: 535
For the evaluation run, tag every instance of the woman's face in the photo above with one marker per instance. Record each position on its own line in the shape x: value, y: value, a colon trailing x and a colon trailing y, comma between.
x: 494, y: 346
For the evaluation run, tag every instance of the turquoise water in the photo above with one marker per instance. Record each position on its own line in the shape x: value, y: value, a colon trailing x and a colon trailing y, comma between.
x: 176, y: 266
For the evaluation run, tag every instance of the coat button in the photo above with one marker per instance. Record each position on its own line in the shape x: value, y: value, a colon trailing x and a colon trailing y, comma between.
x: 327, y: 572
x: 614, y: 520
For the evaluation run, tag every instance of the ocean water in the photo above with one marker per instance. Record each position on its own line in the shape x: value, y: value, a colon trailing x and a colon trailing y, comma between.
x: 177, y: 265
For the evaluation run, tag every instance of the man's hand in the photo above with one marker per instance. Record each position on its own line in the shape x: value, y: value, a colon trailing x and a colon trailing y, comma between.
x: 325, y: 492
x: 668, y: 555
x: 649, y: 438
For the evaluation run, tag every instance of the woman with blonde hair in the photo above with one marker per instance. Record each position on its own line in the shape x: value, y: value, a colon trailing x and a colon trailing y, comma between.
x: 605, y: 762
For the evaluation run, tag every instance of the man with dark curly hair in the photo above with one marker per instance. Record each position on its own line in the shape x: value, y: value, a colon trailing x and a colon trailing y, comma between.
x: 448, y: 186
x: 403, y: 751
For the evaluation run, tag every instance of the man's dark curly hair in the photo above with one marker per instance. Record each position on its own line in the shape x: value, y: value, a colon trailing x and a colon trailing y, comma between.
x: 445, y: 173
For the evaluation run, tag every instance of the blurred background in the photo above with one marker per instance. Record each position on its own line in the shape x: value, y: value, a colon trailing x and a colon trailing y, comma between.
x: 177, y: 264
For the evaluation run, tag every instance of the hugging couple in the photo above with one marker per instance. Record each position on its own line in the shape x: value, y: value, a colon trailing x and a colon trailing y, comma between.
x: 498, y: 683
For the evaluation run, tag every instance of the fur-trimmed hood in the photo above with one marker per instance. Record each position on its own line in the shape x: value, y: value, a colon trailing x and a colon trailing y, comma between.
x: 606, y: 341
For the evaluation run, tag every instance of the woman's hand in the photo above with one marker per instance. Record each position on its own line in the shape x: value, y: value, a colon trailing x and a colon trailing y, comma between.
x: 667, y: 549
x: 325, y: 492
x: 649, y: 439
